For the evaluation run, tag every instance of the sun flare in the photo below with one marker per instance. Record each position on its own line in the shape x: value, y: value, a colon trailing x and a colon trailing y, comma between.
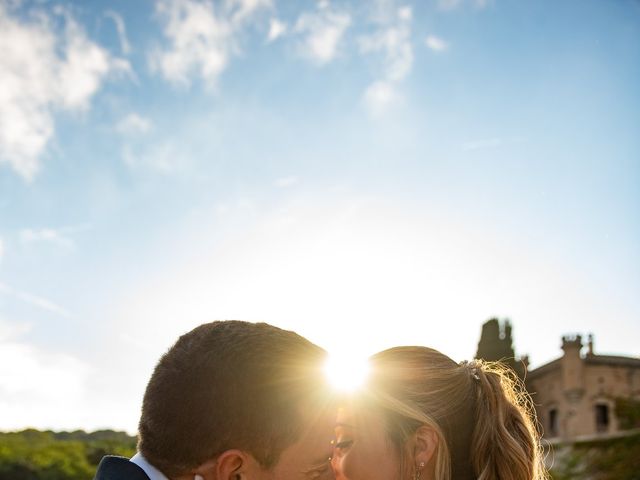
x: 346, y: 372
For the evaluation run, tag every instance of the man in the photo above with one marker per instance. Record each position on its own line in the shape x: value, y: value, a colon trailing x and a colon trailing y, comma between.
x: 233, y: 401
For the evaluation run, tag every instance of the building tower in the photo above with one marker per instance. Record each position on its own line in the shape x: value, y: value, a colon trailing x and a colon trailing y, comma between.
x: 573, y: 383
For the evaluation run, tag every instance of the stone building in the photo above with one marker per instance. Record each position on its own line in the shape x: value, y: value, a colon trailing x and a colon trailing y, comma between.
x: 577, y: 394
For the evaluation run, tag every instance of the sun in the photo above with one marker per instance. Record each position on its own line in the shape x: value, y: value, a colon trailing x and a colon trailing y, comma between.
x: 346, y: 371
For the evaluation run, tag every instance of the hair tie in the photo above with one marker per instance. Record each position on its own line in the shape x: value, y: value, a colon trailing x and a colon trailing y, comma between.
x: 472, y: 367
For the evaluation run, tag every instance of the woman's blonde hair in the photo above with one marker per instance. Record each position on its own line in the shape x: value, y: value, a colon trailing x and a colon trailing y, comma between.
x: 479, y: 411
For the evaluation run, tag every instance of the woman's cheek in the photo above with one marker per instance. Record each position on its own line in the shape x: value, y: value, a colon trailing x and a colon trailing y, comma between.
x: 349, y: 467
x: 336, y: 465
x: 342, y: 467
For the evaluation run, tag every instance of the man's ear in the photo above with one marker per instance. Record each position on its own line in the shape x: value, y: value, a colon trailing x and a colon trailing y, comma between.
x: 425, y: 446
x: 229, y: 465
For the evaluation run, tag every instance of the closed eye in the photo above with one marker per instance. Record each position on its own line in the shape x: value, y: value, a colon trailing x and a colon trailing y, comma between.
x: 320, y: 471
x: 321, y: 468
x: 343, y: 444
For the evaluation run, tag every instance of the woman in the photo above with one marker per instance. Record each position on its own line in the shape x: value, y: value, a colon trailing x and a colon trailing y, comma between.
x: 422, y: 416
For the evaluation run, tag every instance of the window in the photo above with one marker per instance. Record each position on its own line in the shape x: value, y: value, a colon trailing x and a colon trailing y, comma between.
x: 553, y: 422
x: 602, y: 418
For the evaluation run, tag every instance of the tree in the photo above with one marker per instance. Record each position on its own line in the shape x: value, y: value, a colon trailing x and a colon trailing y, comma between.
x: 496, y: 345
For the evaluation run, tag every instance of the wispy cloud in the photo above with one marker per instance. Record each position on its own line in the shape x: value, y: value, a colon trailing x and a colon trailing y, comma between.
x: 45, y: 235
x: 125, y: 46
x: 393, y: 40
x: 240, y: 11
x: 322, y: 32
x: 277, y: 29
x: 62, y: 237
x: 1, y: 249
x: 163, y: 157
x: 285, y: 182
x: 41, y: 71
x: 380, y: 96
x: 35, y: 300
x: 454, y: 4
x: 133, y: 124
x: 202, y: 37
x: 436, y: 44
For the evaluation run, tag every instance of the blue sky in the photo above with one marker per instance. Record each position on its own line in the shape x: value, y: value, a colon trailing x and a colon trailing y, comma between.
x: 366, y: 173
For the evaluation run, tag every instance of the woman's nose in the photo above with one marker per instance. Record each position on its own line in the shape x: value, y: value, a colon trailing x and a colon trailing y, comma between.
x: 335, y: 466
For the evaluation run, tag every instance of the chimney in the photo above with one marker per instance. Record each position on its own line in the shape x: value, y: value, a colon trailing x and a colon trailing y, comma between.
x: 590, y: 345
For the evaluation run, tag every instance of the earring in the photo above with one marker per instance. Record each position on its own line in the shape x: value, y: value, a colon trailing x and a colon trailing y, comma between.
x: 419, y: 471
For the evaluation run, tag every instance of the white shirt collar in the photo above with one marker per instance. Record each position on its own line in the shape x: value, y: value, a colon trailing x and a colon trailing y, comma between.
x: 152, y: 472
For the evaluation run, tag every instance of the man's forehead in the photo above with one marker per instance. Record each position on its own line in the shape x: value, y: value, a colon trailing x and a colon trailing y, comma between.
x: 318, y: 431
x: 314, y: 445
x: 319, y: 422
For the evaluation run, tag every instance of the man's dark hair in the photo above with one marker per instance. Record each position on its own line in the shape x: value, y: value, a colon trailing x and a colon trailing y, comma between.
x: 228, y: 385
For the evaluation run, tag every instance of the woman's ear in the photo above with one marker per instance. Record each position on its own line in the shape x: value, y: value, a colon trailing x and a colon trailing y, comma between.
x: 425, y: 446
x: 229, y: 465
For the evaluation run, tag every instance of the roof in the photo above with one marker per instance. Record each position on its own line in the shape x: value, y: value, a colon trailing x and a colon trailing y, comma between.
x: 546, y: 368
x: 612, y: 360
x: 608, y: 360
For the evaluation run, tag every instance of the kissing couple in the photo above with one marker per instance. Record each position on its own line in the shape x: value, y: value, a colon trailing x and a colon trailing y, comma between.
x: 234, y: 400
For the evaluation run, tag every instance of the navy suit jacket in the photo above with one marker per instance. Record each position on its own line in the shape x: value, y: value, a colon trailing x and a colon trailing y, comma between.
x: 119, y: 468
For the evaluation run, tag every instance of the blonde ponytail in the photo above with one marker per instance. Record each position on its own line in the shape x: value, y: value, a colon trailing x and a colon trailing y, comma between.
x: 504, y: 442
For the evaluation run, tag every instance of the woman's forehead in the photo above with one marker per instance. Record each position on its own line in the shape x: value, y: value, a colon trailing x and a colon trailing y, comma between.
x: 356, y: 415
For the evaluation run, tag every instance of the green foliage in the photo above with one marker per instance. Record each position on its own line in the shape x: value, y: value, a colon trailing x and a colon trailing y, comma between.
x: 628, y: 413
x: 36, y: 455
x: 611, y: 459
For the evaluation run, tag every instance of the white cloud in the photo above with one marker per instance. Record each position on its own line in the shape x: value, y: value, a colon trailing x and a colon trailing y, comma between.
x: 405, y: 13
x: 322, y: 31
x: 163, y: 157
x: 379, y: 97
x: 46, y: 235
x: 41, y: 71
x: 133, y: 124
x: 58, y: 236
x: 1, y: 249
x: 38, y: 387
x: 393, y: 40
x: 125, y: 46
x: 241, y: 10
x: 436, y: 43
x: 276, y: 29
x: 201, y: 39
x: 286, y: 181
